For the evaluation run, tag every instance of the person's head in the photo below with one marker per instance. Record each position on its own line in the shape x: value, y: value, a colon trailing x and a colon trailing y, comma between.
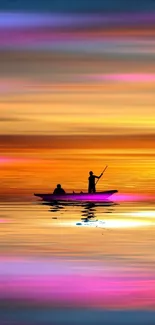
x: 58, y: 185
x: 90, y: 173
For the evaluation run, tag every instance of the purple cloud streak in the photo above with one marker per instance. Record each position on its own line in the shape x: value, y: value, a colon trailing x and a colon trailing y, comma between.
x: 27, y: 20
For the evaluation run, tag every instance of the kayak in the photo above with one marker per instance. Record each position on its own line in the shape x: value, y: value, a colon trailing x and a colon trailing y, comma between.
x: 89, y: 197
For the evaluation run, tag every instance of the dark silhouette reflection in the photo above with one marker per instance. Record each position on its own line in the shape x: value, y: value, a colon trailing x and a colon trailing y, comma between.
x: 55, y: 206
x: 88, y: 212
x: 90, y: 209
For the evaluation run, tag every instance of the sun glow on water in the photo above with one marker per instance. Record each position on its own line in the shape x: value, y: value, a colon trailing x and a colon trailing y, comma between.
x: 110, y: 224
x: 143, y: 214
x: 119, y: 223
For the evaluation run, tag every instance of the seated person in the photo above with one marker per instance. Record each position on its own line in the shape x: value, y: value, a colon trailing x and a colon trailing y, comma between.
x: 59, y: 190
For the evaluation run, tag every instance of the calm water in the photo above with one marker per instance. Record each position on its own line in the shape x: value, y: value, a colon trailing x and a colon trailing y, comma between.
x: 96, y: 260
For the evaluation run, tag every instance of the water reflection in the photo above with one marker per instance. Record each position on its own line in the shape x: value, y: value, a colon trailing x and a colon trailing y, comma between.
x: 87, y: 210
x: 90, y: 210
x: 107, y: 214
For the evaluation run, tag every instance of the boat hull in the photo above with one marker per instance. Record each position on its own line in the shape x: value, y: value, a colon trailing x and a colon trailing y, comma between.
x: 89, y: 197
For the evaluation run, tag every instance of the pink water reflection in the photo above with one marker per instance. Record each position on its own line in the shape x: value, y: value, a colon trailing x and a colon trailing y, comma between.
x: 127, y: 197
x: 63, y: 283
x: 128, y: 77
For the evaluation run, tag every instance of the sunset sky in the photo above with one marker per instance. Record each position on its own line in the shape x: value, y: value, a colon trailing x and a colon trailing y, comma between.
x: 77, y: 93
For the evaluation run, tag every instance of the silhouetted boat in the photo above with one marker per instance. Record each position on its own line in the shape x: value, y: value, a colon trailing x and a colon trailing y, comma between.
x: 92, y: 197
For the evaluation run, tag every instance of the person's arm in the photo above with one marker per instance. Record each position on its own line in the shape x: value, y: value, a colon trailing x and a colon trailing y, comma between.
x: 98, y: 176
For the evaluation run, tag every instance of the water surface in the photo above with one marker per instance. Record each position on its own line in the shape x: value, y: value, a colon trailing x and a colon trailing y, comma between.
x: 77, y: 256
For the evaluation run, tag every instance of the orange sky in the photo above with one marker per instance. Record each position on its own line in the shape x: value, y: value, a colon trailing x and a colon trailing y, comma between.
x: 37, y: 163
x: 72, y: 95
x: 76, y: 107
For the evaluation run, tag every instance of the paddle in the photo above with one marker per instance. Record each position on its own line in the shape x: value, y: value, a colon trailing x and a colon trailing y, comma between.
x: 101, y: 174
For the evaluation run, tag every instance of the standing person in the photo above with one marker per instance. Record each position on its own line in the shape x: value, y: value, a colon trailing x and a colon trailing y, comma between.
x: 91, y: 182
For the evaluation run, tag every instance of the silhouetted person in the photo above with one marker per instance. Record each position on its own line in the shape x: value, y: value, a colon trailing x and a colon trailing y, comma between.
x: 91, y: 184
x: 59, y: 190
